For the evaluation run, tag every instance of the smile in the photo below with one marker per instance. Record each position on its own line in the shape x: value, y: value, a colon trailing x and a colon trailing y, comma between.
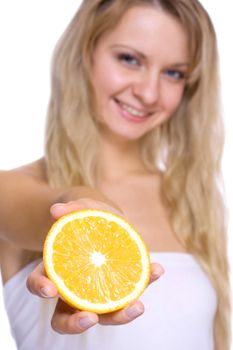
x: 132, y: 111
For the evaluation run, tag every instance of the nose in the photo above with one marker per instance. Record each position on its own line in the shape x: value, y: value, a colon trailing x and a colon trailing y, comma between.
x: 147, y: 87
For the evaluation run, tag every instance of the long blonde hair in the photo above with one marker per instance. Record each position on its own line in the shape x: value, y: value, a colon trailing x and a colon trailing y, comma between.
x: 189, y: 145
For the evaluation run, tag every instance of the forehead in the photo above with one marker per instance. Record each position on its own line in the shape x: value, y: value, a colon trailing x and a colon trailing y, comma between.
x: 151, y: 31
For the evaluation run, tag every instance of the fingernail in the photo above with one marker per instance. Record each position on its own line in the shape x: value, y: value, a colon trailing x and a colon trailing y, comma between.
x: 86, y: 322
x: 133, y: 312
x: 57, y: 209
x: 45, y: 292
x: 158, y: 271
x: 57, y: 205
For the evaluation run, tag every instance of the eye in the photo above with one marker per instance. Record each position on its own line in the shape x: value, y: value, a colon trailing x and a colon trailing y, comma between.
x: 128, y: 59
x: 175, y: 74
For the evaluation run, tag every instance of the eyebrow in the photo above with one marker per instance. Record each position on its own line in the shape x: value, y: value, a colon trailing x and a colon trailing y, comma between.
x: 180, y: 64
x: 139, y: 53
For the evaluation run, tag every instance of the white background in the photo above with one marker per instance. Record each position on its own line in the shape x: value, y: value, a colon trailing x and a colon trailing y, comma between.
x: 28, y: 32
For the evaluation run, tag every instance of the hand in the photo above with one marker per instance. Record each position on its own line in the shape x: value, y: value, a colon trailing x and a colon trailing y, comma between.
x: 66, y: 319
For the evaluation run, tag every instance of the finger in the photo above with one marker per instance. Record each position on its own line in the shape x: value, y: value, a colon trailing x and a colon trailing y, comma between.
x: 59, y: 209
x: 39, y: 284
x: 134, y: 310
x: 156, y: 272
x: 66, y: 320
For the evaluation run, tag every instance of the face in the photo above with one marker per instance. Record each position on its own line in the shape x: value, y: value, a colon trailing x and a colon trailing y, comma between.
x: 139, y: 72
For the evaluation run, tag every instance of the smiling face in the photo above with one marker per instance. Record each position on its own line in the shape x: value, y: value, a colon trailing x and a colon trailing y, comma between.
x: 139, y: 71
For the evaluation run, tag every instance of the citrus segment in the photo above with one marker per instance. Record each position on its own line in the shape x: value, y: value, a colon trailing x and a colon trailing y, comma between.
x: 97, y: 260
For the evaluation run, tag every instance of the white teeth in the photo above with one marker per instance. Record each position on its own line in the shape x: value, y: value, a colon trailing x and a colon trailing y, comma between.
x: 132, y: 111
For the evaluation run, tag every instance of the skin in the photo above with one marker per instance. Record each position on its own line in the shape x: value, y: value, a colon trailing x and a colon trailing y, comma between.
x: 148, y: 76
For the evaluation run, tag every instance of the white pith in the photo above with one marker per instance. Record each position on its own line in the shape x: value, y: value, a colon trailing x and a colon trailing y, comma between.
x: 97, y: 259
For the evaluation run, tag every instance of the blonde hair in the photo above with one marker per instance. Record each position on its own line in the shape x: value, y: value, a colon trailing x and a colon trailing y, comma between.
x: 189, y: 145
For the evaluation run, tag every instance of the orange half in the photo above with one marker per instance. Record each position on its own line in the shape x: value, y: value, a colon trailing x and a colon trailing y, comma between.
x: 97, y: 260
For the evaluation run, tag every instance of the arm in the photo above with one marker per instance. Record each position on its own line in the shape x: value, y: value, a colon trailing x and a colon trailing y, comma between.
x: 28, y: 207
x: 26, y: 199
x: 24, y: 209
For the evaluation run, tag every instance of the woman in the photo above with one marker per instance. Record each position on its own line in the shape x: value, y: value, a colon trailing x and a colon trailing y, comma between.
x: 133, y: 125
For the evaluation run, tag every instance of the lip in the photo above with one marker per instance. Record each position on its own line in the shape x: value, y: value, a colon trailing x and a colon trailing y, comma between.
x: 128, y: 116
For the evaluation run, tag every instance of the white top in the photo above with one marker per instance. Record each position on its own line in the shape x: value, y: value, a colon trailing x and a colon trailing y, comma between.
x: 179, y: 313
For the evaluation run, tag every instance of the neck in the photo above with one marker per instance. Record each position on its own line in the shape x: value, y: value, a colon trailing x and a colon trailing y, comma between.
x: 118, y: 158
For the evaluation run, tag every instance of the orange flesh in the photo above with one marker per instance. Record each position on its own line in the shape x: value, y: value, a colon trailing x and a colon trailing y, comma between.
x: 113, y: 277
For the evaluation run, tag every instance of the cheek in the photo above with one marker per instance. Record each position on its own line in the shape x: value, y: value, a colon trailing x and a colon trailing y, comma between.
x: 107, y: 81
x: 111, y: 83
x: 173, y: 97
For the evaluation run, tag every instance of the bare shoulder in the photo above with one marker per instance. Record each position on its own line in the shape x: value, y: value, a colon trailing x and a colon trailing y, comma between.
x: 25, y: 177
x: 36, y: 170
